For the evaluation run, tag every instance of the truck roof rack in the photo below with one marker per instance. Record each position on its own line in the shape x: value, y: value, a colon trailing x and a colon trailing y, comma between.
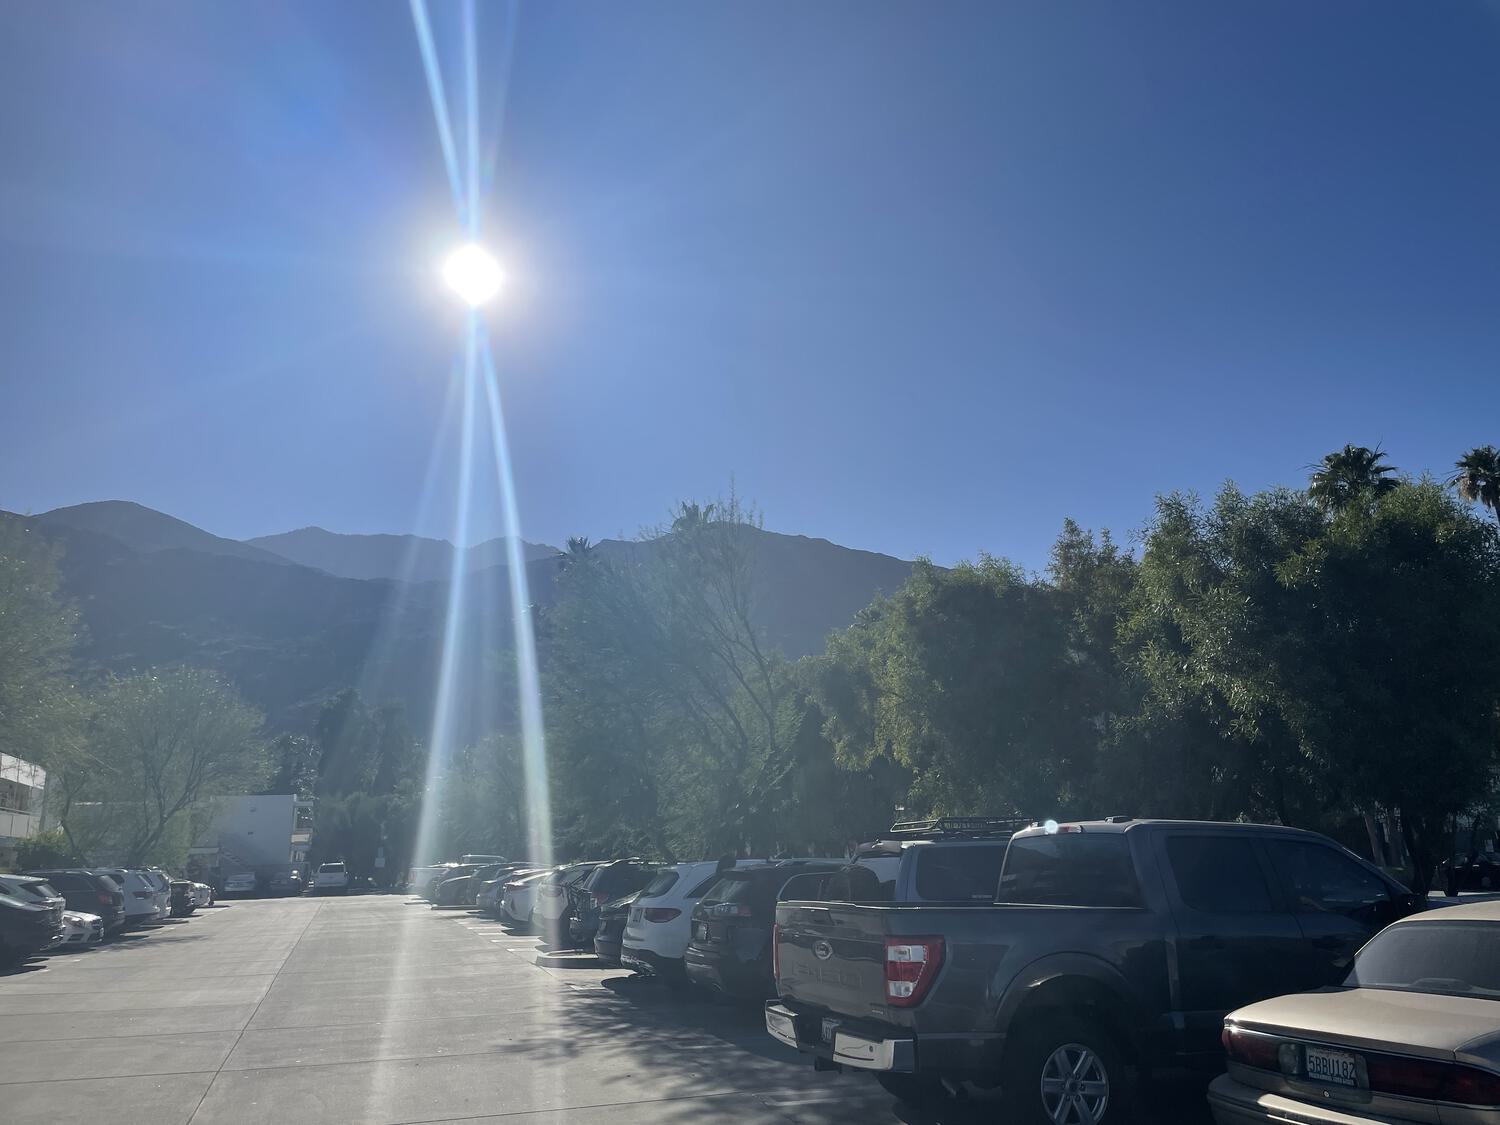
x: 976, y: 826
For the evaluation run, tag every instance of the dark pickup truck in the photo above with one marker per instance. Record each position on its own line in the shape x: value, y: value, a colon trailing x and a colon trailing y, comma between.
x: 1112, y: 947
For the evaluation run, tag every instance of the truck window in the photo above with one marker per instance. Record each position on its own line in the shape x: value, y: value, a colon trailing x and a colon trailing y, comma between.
x: 1069, y: 869
x: 1321, y: 880
x: 1218, y: 874
x: 959, y: 874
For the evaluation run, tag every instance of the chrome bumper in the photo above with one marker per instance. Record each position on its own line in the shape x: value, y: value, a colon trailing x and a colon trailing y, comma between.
x: 847, y: 1048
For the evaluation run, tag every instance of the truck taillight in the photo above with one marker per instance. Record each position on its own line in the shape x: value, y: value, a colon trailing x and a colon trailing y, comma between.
x: 660, y: 913
x: 776, y: 951
x: 105, y: 899
x: 911, y: 965
x: 600, y: 898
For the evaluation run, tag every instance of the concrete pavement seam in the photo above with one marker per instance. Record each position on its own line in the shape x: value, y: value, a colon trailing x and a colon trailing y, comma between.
x: 193, y: 1116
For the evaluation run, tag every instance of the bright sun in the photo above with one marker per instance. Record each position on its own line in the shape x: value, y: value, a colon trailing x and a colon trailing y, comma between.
x: 473, y: 274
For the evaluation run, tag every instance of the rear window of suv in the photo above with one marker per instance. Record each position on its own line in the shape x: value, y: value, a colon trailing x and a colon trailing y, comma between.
x: 1070, y: 869
x: 959, y: 873
x: 664, y: 882
x: 332, y: 869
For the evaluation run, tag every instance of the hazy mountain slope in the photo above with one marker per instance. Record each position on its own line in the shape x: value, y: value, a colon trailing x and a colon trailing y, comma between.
x: 411, y: 558
x: 146, y: 530
x: 289, y: 636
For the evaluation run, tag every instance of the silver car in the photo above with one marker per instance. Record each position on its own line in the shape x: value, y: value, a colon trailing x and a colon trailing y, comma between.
x: 1413, y: 1034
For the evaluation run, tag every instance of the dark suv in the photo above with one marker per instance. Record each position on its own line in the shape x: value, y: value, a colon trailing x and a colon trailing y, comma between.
x: 731, y: 948
x: 88, y: 893
x: 30, y: 918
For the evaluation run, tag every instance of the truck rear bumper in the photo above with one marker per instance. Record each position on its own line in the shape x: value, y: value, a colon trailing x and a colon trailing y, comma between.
x: 845, y: 1047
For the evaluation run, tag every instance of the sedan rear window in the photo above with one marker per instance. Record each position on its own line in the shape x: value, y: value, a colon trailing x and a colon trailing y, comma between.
x: 1070, y: 869
x: 1442, y: 957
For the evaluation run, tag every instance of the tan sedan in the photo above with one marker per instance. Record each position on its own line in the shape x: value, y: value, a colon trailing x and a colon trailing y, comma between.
x: 1413, y: 1035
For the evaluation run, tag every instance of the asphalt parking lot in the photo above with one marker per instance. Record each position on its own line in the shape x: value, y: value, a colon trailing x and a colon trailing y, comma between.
x: 377, y: 1009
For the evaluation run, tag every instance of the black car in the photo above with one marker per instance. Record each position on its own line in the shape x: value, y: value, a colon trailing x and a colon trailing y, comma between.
x: 286, y: 883
x: 88, y: 893
x: 30, y: 918
x: 457, y: 875
x: 182, y: 898
x: 611, y: 928
x: 730, y: 950
x: 574, y: 929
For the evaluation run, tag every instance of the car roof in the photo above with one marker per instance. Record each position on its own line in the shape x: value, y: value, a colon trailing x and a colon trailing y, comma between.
x: 1128, y: 824
x: 1486, y: 911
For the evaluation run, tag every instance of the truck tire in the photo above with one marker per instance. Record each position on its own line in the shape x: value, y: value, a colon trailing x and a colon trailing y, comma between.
x: 916, y: 1090
x: 1065, y: 1060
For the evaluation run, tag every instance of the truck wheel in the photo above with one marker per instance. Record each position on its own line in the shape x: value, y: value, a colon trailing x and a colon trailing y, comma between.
x: 915, y: 1090
x: 1065, y: 1072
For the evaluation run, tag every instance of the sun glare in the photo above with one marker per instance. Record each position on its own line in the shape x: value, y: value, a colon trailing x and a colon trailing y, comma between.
x: 472, y: 273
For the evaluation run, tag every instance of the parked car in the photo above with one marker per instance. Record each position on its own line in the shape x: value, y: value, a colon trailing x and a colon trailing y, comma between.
x: 161, y: 884
x: 88, y: 892
x: 950, y: 859
x: 140, y: 893
x: 423, y: 881
x: 606, y: 883
x: 203, y: 894
x: 82, y: 929
x: 1111, y: 943
x: 444, y: 875
x: 731, y: 950
x: 490, y: 898
x: 660, y: 923
x: 553, y: 909
x: 611, y: 928
x: 1476, y: 871
x: 518, y: 898
x: 289, y: 882
x: 239, y: 883
x: 330, y: 878
x: 182, y: 898
x: 1410, y: 1035
x: 29, y: 923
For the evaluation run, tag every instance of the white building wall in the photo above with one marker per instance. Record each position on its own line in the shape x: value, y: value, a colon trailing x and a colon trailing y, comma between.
x: 22, y: 785
x: 256, y: 832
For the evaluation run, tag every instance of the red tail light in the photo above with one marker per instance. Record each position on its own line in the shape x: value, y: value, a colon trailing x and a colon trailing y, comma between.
x: 105, y: 899
x: 1432, y: 1080
x: 775, y: 951
x: 1250, y: 1048
x: 600, y: 898
x: 911, y: 965
x: 660, y: 913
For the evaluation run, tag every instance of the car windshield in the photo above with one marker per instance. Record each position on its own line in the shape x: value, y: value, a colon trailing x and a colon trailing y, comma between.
x: 1438, y: 956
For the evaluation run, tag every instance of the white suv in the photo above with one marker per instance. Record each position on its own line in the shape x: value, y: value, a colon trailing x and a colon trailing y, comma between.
x: 331, y: 877
x: 660, y: 923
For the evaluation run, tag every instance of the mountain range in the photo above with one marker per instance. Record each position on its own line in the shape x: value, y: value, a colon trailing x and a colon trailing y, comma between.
x: 293, y: 618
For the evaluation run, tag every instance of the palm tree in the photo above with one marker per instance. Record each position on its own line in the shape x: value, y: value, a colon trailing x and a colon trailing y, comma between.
x: 1353, y: 471
x: 1478, y: 477
x: 579, y: 550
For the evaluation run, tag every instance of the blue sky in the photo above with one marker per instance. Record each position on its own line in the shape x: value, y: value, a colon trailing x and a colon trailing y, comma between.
x: 920, y: 278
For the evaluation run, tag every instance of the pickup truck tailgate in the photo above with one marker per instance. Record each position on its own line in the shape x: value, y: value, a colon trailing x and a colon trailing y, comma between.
x: 832, y: 956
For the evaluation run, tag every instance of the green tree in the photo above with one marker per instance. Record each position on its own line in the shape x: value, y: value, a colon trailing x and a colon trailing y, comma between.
x: 294, y: 759
x: 161, y: 743
x: 1478, y: 477
x: 41, y: 711
x: 969, y: 679
x: 666, y: 706
x: 1353, y: 472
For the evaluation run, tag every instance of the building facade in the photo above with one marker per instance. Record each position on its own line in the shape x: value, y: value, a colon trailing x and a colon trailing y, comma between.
x: 264, y: 834
x: 23, y: 785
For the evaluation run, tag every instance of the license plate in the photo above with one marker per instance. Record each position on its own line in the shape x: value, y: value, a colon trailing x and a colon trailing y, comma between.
x: 829, y: 1027
x: 1337, y: 1068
